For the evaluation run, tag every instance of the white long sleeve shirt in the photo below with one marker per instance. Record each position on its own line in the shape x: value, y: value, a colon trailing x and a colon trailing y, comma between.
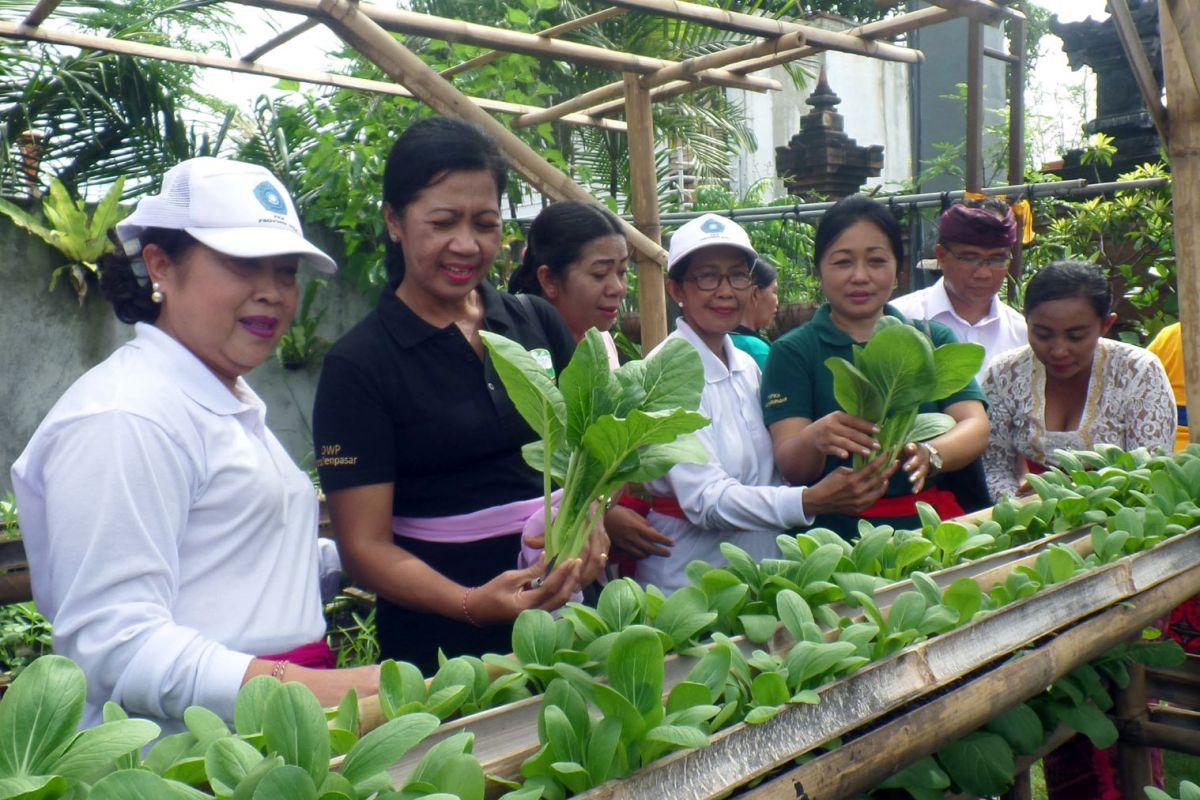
x: 1001, y: 329
x: 170, y: 537
x: 738, y: 496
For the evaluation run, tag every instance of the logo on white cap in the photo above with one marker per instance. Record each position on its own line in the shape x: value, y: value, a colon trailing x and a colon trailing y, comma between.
x: 713, y: 225
x: 270, y: 198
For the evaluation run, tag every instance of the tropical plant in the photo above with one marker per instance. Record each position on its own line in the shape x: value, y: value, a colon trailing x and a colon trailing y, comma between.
x: 25, y: 635
x: 301, y: 347
x: 101, y: 116
x: 81, y: 237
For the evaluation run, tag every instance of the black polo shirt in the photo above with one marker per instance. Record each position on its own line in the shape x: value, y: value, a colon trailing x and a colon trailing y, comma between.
x: 402, y: 401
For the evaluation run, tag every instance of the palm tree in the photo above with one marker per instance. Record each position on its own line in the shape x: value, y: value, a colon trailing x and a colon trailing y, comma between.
x: 100, y: 116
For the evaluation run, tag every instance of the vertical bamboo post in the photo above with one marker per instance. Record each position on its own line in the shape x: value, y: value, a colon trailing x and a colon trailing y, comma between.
x: 973, y: 169
x: 1133, y: 760
x: 1016, y: 133
x: 643, y: 185
x: 1183, y: 145
x: 1022, y: 788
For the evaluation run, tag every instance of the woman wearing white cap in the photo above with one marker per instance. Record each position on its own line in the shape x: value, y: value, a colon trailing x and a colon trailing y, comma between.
x: 171, y: 540
x: 738, y: 495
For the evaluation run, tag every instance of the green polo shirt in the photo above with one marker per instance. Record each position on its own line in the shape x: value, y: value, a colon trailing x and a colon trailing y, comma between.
x: 796, y: 383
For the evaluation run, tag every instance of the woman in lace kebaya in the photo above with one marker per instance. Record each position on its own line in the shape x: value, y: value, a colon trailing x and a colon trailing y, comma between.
x: 1070, y: 388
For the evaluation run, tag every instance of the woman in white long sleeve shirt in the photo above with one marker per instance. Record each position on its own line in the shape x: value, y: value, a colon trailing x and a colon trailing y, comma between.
x: 738, y: 495
x: 171, y: 540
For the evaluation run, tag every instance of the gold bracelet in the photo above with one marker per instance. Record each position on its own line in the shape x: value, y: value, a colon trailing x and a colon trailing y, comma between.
x: 466, y: 612
x: 278, y: 670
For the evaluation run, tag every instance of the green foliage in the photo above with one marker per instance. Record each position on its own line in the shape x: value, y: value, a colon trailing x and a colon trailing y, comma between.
x: 1129, y: 233
x: 301, y: 347
x: 601, y: 429
x: 25, y: 635
x: 10, y: 522
x: 893, y: 374
x: 80, y: 237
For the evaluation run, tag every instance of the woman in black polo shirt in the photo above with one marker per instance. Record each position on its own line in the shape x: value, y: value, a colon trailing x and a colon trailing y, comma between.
x: 418, y: 445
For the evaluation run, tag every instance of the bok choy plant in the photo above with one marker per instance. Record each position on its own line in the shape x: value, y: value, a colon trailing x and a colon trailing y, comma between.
x: 896, y: 371
x: 600, y: 429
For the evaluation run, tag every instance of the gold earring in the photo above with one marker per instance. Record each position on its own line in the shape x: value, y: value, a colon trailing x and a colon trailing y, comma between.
x: 156, y: 295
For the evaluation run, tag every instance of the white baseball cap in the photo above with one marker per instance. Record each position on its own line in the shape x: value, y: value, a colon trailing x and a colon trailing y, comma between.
x: 235, y: 208
x: 703, y: 231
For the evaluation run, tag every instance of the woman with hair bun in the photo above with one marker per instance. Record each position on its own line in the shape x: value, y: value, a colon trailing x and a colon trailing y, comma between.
x: 417, y: 441
x: 759, y: 313
x: 1071, y: 388
x: 576, y: 257
x: 171, y: 540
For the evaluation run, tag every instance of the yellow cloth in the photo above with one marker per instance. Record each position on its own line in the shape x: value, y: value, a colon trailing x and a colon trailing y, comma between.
x: 1021, y: 210
x: 1168, y: 346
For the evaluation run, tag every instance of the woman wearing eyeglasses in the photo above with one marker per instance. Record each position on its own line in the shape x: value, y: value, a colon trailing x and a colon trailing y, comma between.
x: 737, y: 496
x: 974, y: 249
x: 858, y: 251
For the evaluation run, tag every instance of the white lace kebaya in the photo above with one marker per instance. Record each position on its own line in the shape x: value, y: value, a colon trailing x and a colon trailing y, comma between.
x: 1129, y: 404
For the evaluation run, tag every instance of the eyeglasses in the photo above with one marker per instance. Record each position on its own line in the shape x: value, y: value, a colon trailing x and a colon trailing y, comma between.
x: 975, y: 260
x: 708, y: 281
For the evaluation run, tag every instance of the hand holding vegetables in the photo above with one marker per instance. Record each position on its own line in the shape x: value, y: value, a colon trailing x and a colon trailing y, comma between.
x: 630, y: 532
x: 850, y: 491
x: 839, y: 434
x: 508, y: 594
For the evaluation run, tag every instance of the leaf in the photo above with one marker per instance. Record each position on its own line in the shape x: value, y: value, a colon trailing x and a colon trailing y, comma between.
x: 759, y: 628
x: 956, y: 364
x: 385, y: 745
x: 39, y: 715
x: 898, y: 360
x: 769, y: 689
x: 533, y: 393
x: 1021, y: 728
x: 980, y: 763
x: 95, y: 751
x: 672, y: 378
x: 286, y: 783
x: 252, y: 702
x: 678, y: 736
x: 588, y: 387
x: 965, y: 597
x: 930, y: 425
x: 684, y: 614
x: 534, y: 637
x: 294, y: 727
x: 35, y: 787
x: 1088, y: 720
x: 854, y: 391
x: 635, y: 669
x: 621, y: 603
x: 602, y: 750
x: 228, y: 761
x: 132, y: 784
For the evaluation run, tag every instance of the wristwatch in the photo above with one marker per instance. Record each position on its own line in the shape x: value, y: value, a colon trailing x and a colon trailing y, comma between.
x: 935, y: 459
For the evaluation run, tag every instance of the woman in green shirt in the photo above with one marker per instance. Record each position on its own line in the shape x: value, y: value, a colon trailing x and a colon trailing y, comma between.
x: 858, y: 251
x: 759, y: 313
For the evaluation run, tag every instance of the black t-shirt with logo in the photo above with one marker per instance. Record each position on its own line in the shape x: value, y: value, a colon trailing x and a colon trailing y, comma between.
x: 404, y: 402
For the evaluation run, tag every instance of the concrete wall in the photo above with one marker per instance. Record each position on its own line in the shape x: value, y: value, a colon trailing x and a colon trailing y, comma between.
x: 875, y: 105
x: 47, y: 340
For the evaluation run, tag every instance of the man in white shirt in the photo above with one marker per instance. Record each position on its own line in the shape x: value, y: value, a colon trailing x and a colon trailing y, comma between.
x: 974, y: 250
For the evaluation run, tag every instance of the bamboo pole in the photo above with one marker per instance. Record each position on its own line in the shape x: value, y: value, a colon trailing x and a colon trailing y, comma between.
x: 689, y: 69
x: 40, y: 12
x: 858, y: 765
x: 550, y: 33
x: 347, y: 20
x: 402, y: 21
x: 282, y: 38
x: 140, y: 50
x: 643, y: 185
x: 1183, y: 145
x: 984, y: 11
x: 765, y: 26
x: 1185, y: 17
x: 1139, y: 64
x: 973, y: 168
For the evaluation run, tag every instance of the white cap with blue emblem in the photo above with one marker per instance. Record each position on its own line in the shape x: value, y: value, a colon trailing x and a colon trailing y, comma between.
x: 705, y: 231
x: 235, y: 208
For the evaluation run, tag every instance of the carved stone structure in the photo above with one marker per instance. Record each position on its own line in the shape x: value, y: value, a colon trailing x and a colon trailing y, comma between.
x: 1120, y: 112
x: 822, y: 158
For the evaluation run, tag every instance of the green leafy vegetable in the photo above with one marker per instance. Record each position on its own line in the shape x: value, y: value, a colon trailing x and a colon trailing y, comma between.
x: 601, y: 429
x: 896, y: 371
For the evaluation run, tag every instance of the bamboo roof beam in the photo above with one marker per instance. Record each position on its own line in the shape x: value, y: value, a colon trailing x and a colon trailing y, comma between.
x: 686, y: 70
x: 893, y: 26
x: 140, y: 50
x: 349, y: 21
x: 401, y: 21
x: 40, y: 12
x: 985, y: 11
x: 550, y: 33
x: 1139, y: 64
x: 281, y: 39
x: 765, y: 26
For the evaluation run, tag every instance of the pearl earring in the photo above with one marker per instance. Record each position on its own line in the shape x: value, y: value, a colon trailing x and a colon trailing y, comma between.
x: 156, y: 295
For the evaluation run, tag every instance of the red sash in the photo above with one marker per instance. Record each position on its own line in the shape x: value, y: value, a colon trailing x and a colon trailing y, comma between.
x: 1034, y: 467
x: 317, y: 655
x: 668, y: 507
x: 905, y: 505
